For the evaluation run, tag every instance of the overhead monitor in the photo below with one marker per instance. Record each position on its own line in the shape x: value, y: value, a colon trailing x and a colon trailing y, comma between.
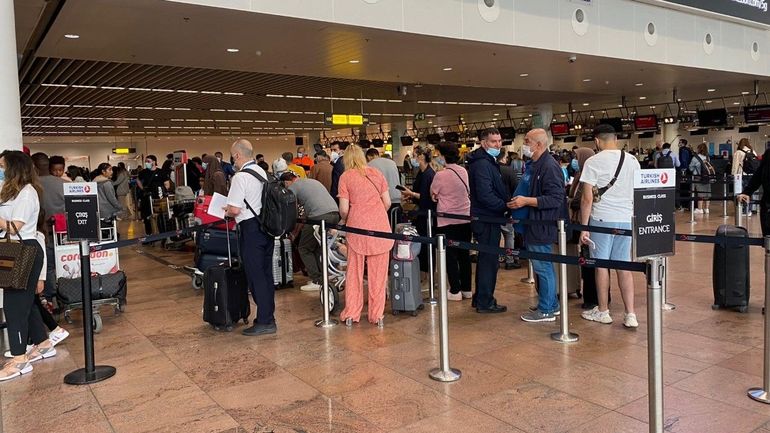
x: 433, y: 138
x: 507, y: 133
x: 452, y: 136
x: 701, y: 131
x: 615, y: 122
x: 647, y: 134
x: 560, y: 129
x: 712, y: 118
x: 570, y: 139
x: 646, y: 123
x: 748, y: 129
x: 757, y: 114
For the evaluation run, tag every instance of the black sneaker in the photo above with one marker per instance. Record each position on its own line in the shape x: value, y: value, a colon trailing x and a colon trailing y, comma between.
x: 492, y: 309
x: 260, y: 329
x: 512, y: 265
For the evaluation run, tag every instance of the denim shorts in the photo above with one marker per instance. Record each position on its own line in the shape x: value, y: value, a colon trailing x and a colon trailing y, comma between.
x: 611, y: 247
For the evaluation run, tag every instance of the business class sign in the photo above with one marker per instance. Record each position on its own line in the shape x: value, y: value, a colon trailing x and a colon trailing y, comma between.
x: 749, y: 10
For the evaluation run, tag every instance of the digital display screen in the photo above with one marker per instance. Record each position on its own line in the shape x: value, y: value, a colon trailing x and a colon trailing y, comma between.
x: 710, y: 118
x: 757, y: 114
x: 646, y: 123
x: 559, y: 129
x: 750, y: 10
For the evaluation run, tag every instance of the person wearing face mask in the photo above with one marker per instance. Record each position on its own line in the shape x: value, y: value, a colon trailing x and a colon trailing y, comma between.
x: 227, y: 168
x: 338, y: 164
x: 546, y: 201
x: 109, y: 206
x: 214, y: 180
x: 152, y: 182
x: 489, y: 198
x: 421, y: 195
x: 510, y: 181
x: 303, y: 159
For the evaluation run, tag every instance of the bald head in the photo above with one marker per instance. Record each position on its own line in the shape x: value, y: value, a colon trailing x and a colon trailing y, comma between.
x: 537, y: 140
x: 242, y: 152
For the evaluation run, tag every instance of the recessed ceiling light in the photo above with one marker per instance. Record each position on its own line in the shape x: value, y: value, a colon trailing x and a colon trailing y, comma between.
x: 524, y: 75
x: 495, y: 114
x: 711, y: 90
x: 447, y: 69
x: 744, y: 93
x: 586, y: 80
x: 232, y: 50
x: 639, y: 84
x: 354, y: 61
x: 736, y: 103
x: 642, y: 98
x: 586, y: 104
x: 708, y: 102
x: 72, y: 36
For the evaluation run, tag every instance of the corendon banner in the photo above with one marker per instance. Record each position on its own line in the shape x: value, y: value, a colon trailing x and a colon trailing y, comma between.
x: 68, y: 261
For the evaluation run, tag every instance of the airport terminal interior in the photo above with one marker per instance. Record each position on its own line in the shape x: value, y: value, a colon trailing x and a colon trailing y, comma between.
x: 681, y: 84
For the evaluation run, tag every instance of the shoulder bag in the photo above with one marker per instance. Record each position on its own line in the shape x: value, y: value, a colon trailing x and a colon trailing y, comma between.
x: 461, y: 180
x: 598, y: 192
x: 16, y: 260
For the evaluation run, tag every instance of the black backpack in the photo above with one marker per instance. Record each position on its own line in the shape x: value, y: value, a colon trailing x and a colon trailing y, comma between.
x: 750, y: 162
x: 279, y: 206
x: 665, y: 160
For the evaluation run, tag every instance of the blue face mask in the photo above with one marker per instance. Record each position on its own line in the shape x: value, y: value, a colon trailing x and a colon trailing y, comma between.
x: 575, y: 165
x: 415, y: 164
x: 493, y: 152
x: 2, y: 175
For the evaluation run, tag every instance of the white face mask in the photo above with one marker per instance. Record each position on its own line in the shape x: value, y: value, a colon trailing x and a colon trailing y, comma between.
x: 334, y: 156
x: 526, y: 151
x: 299, y: 154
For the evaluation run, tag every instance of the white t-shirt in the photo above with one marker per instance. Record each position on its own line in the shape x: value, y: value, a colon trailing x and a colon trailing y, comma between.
x: 41, y: 242
x: 617, y: 203
x: 25, y: 208
x: 244, y: 186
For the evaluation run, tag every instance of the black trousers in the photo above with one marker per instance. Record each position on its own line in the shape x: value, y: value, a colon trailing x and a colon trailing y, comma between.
x: 764, y: 218
x: 146, y: 210
x: 22, y: 318
x: 256, y: 249
x: 487, y: 265
x: 48, y: 319
x: 458, y: 261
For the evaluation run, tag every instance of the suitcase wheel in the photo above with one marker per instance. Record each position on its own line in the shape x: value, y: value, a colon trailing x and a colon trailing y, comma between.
x: 68, y: 317
x: 396, y: 312
x: 414, y: 313
x: 97, y: 323
x: 743, y: 309
x: 421, y: 307
x: 222, y: 328
x: 197, y: 282
x: 714, y: 307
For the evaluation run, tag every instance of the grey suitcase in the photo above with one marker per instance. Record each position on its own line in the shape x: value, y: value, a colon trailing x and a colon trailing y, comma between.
x: 405, y: 292
x: 283, y: 268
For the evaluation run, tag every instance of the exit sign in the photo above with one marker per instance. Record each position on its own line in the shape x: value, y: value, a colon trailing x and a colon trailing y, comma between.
x: 419, y: 116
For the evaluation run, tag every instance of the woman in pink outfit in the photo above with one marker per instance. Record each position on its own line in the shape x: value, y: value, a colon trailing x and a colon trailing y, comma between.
x: 364, y: 201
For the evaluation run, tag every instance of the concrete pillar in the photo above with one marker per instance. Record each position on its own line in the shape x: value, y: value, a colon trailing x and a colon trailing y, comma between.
x: 10, y: 112
x: 397, y: 129
x: 670, y: 133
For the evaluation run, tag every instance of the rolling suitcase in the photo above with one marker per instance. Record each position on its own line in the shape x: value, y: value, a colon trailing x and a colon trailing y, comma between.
x: 731, y: 275
x: 283, y: 270
x: 225, y: 295
x: 214, y: 241
x: 205, y: 261
x: 404, y: 274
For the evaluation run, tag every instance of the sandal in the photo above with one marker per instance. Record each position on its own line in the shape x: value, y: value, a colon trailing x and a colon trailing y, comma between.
x: 38, y: 353
x: 15, y: 369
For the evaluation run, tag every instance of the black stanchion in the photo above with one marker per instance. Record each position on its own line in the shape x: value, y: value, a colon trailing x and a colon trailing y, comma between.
x: 91, y: 373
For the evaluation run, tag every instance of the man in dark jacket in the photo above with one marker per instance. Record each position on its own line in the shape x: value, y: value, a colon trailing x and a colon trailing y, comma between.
x: 547, y: 202
x: 338, y: 164
x: 510, y: 181
x: 489, y: 198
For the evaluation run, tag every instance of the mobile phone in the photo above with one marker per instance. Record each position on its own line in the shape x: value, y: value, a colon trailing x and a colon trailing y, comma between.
x: 400, y: 188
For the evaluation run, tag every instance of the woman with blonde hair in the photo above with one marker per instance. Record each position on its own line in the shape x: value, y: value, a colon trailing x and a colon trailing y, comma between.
x: 364, y: 202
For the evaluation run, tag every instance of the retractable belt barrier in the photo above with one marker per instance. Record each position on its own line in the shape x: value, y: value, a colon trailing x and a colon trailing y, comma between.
x: 372, y: 233
x: 569, y: 226
x: 153, y: 238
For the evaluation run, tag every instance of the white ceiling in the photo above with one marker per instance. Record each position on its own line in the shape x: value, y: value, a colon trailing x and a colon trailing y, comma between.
x: 154, y: 44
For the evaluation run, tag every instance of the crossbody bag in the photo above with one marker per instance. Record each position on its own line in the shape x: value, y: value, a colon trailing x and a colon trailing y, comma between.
x: 598, y: 192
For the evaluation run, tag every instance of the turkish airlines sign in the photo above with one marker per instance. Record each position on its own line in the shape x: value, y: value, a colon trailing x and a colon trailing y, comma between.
x: 749, y: 10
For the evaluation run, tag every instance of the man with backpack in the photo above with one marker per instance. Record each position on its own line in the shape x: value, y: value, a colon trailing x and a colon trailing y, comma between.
x: 244, y: 203
x: 666, y: 158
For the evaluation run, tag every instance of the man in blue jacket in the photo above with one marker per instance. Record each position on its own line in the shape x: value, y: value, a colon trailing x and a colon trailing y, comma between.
x: 547, y: 202
x: 489, y: 198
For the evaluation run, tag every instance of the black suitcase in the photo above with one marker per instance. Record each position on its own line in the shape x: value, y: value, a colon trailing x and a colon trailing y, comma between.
x: 225, y: 295
x: 730, y: 271
x: 205, y: 261
x: 214, y: 241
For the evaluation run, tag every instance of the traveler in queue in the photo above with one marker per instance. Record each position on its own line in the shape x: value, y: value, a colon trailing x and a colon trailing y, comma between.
x: 109, y: 206
x: 700, y: 166
x: 546, y: 202
x: 608, y: 201
x: 422, y: 155
x: 364, y: 202
x: 322, y: 170
x: 760, y: 178
x: 488, y: 199
x: 318, y: 205
x: 303, y: 159
x: 52, y: 203
x: 215, y: 177
x: 337, y: 158
x: 389, y: 169
x: 121, y: 181
x: 451, y: 192
x: 19, y: 211
x: 227, y: 168
x: 244, y: 203
x: 509, y: 235
x: 153, y: 182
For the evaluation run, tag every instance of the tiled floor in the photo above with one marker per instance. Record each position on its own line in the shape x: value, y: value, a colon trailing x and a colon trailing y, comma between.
x: 175, y: 374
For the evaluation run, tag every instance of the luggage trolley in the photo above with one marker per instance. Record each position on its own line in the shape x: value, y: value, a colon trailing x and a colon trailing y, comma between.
x: 108, y: 282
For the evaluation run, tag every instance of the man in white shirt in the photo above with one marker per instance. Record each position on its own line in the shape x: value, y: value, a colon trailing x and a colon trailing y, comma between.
x: 389, y: 169
x: 244, y: 203
x: 614, y: 210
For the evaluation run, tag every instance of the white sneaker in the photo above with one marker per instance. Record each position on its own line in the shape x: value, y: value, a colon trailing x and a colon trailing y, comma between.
x: 595, y: 315
x: 7, y: 354
x: 698, y: 211
x: 454, y: 296
x: 706, y: 210
x: 58, y: 335
x: 39, y: 353
x: 629, y: 320
x: 310, y: 287
x: 467, y: 295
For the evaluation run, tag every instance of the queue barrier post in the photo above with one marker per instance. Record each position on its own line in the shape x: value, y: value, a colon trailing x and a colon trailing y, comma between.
x: 431, y: 280
x: 655, y: 272
x: 762, y: 394
x: 724, y: 202
x: 564, y: 336
x: 664, y: 288
x: 326, y: 322
x: 91, y: 373
x: 530, y: 278
x: 444, y: 373
x: 738, y: 213
x: 692, y: 210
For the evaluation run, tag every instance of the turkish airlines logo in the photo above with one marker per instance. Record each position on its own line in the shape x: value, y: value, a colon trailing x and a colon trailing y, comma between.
x: 86, y: 189
x: 664, y: 178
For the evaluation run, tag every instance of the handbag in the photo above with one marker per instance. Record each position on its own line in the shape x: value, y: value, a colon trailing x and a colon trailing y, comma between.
x: 598, y: 192
x: 16, y: 260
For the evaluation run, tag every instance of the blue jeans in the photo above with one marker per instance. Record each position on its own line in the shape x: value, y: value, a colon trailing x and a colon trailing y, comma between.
x: 546, y: 279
